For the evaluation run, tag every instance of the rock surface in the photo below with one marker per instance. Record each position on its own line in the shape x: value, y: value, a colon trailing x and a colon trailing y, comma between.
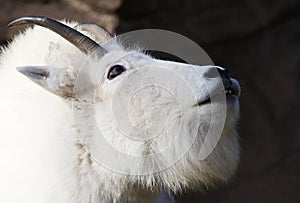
x: 97, y: 11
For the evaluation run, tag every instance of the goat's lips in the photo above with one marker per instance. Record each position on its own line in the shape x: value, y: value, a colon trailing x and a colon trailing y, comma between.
x: 235, y: 87
x: 202, y: 102
x: 228, y: 92
x: 232, y: 87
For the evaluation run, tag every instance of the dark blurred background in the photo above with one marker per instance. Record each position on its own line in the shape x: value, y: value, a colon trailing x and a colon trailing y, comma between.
x: 257, y: 40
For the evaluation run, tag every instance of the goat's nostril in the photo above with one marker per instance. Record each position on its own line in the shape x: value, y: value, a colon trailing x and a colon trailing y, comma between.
x: 222, y: 71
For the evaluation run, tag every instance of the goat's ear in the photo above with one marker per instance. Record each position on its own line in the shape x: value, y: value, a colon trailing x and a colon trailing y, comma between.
x: 57, y: 81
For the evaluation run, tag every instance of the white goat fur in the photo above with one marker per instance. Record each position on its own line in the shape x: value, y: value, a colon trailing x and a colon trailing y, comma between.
x: 42, y: 159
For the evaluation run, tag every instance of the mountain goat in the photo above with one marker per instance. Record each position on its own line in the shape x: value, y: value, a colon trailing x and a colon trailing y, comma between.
x: 85, y: 120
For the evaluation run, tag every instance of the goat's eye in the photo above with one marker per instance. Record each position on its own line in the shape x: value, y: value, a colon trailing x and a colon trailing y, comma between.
x: 114, y: 71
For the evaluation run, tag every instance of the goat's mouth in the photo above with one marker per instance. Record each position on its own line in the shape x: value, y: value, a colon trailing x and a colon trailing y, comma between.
x: 233, y: 90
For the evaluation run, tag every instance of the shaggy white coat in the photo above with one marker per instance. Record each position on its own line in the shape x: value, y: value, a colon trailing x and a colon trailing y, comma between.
x: 42, y: 157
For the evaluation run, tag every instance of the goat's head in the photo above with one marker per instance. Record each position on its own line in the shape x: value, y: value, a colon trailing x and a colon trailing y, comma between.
x: 143, y: 117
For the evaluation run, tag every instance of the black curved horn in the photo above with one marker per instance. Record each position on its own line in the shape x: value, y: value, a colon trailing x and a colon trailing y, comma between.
x: 82, y: 42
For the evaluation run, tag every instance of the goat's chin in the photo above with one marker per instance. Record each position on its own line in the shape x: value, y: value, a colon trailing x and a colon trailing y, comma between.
x: 218, y: 167
x: 181, y: 167
x: 192, y: 173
